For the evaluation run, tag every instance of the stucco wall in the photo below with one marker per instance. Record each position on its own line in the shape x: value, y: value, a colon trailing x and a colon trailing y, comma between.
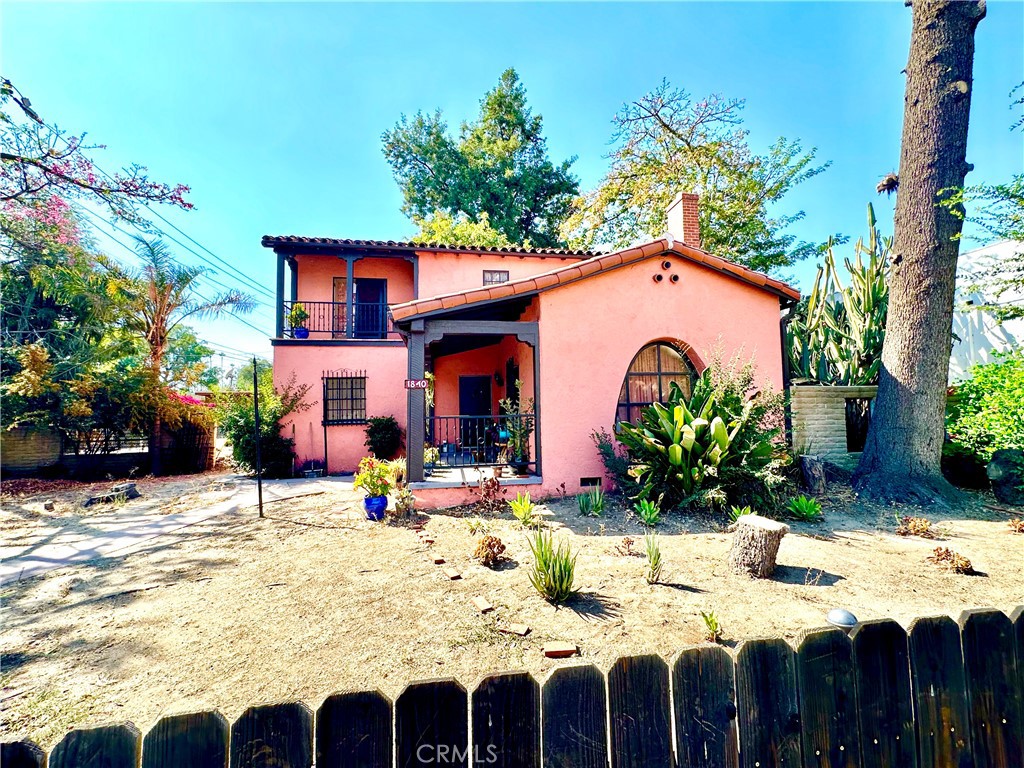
x: 386, y: 368
x: 590, y: 331
x: 819, y: 417
x: 442, y: 273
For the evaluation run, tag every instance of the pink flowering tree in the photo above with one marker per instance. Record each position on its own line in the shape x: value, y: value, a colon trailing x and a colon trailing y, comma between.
x: 40, y: 162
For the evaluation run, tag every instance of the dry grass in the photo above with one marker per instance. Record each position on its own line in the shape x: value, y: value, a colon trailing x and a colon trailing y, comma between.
x: 1016, y: 525
x: 314, y: 598
x: 954, y: 561
x: 916, y: 526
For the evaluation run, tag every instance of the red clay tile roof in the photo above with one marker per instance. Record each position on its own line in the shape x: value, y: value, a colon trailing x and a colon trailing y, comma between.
x: 592, y: 266
x: 273, y: 241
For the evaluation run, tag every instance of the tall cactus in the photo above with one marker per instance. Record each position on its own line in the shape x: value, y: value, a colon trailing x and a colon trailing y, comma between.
x: 835, y: 335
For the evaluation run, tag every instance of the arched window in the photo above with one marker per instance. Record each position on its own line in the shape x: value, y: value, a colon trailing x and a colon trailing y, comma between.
x: 650, y: 376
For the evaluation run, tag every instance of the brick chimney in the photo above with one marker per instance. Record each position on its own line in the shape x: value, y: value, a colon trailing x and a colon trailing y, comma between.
x: 682, y: 219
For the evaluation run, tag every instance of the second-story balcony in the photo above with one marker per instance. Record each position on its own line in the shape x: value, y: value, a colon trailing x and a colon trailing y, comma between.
x: 368, y: 321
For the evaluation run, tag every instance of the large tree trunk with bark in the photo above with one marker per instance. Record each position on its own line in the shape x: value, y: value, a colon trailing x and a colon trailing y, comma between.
x: 901, y: 460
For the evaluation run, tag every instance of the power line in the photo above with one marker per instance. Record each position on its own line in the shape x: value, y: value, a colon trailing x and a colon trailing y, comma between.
x: 200, y: 295
x: 244, y: 279
x: 207, y: 276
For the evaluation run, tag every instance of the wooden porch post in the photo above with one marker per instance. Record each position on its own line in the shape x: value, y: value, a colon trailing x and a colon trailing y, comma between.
x: 294, y: 268
x: 415, y: 426
x: 279, y: 309
x: 536, y: 401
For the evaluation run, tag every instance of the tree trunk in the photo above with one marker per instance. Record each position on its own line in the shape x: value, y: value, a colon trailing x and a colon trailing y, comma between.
x: 755, y: 545
x: 901, y: 460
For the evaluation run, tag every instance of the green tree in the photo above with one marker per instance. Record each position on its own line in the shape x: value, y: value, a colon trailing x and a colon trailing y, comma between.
x: 497, y: 166
x: 442, y: 227
x: 667, y: 142
x: 158, y: 298
x: 185, y: 363
x: 998, y: 209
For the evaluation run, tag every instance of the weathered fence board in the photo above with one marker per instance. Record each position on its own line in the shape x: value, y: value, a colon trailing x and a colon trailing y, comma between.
x: 506, y: 721
x: 573, y: 712
x: 639, y: 704
x: 192, y: 740
x: 431, y: 725
x: 766, y: 698
x: 280, y: 735
x: 940, y: 693
x: 109, y: 746
x: 353, y: 730
x: 21, y: 754
x: 704, y: 698
x: 884, y: 703
x: 990, y: 667
x: 829, y: 734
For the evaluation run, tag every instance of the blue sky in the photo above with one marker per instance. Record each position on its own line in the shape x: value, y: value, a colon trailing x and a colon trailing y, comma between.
x: 273, y: 112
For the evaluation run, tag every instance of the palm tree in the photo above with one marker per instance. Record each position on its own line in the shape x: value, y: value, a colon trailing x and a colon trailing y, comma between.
x: 160, y: 296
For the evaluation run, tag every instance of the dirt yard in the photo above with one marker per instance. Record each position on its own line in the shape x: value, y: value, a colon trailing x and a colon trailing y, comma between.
x: 315, y: 599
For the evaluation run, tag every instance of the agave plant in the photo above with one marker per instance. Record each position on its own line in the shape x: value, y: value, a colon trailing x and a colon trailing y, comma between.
x: 835, y: 337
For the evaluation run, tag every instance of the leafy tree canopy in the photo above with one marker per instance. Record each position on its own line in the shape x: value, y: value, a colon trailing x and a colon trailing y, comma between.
x: 999, y: 212
x: 496, y: 173
x: 667, y: 142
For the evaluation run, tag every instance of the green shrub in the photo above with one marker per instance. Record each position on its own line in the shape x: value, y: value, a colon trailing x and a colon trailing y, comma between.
x: 737, y: 512
x: 648, y: 512
x: 616, y: 461
x: 554, y: 569
x: 522, y: 509
x: 383, y: 436
x: 808, y: 510
x: 237, y: 420
x: 591, y: 503
x: 986, y: 412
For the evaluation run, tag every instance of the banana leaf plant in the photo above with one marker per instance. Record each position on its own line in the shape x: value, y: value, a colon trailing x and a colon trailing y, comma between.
x: 676, y: 446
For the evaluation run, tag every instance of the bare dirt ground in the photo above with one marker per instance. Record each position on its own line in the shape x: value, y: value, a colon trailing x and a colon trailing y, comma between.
x: 314, y: 599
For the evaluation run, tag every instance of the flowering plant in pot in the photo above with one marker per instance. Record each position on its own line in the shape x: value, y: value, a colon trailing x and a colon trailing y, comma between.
x: 376, y: 478
x: 297, y: 318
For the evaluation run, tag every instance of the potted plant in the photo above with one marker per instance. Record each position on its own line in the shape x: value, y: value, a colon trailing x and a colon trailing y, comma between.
x: 297, y: 318
x: 520, y: 427
x: 375, y: 478
x: 431, y: 455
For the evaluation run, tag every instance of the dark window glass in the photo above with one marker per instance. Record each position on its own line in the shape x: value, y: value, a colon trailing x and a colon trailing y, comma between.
x: 345, y: 400
x: 650, y: 376
x: 495, y: 276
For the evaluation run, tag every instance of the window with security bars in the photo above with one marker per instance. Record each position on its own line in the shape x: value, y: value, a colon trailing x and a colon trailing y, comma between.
x: 495, y: 276
x: 345, y: 399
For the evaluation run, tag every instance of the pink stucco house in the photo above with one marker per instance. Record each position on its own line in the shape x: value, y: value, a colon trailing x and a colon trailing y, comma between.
x: 587, y: 337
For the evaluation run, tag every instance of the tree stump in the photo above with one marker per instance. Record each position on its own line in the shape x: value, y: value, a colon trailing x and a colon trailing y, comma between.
x: 813, y: 470
x: 755, y: 545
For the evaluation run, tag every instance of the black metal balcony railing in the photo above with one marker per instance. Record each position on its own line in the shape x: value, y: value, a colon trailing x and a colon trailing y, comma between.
x: 475, y: 441
x: 328, y: 319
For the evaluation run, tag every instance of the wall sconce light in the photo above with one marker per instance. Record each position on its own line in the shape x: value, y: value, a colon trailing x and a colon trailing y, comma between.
x: 499, y: 379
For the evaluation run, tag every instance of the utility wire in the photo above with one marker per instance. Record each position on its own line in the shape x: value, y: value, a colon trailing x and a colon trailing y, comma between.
x: 200, y: 295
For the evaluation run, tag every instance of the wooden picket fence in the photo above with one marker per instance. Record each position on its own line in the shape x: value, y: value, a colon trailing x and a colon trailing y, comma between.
x: 944, y: 693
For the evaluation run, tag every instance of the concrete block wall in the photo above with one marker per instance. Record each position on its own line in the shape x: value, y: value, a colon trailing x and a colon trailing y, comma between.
x: 819, y: 417
x: 25, y: 449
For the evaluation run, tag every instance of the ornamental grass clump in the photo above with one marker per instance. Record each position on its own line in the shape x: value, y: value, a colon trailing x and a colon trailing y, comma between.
x: 554, y: 568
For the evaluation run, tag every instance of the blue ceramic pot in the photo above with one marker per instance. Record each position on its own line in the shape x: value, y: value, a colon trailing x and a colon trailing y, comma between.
x: 301, y: 333
x: 375, y: 506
